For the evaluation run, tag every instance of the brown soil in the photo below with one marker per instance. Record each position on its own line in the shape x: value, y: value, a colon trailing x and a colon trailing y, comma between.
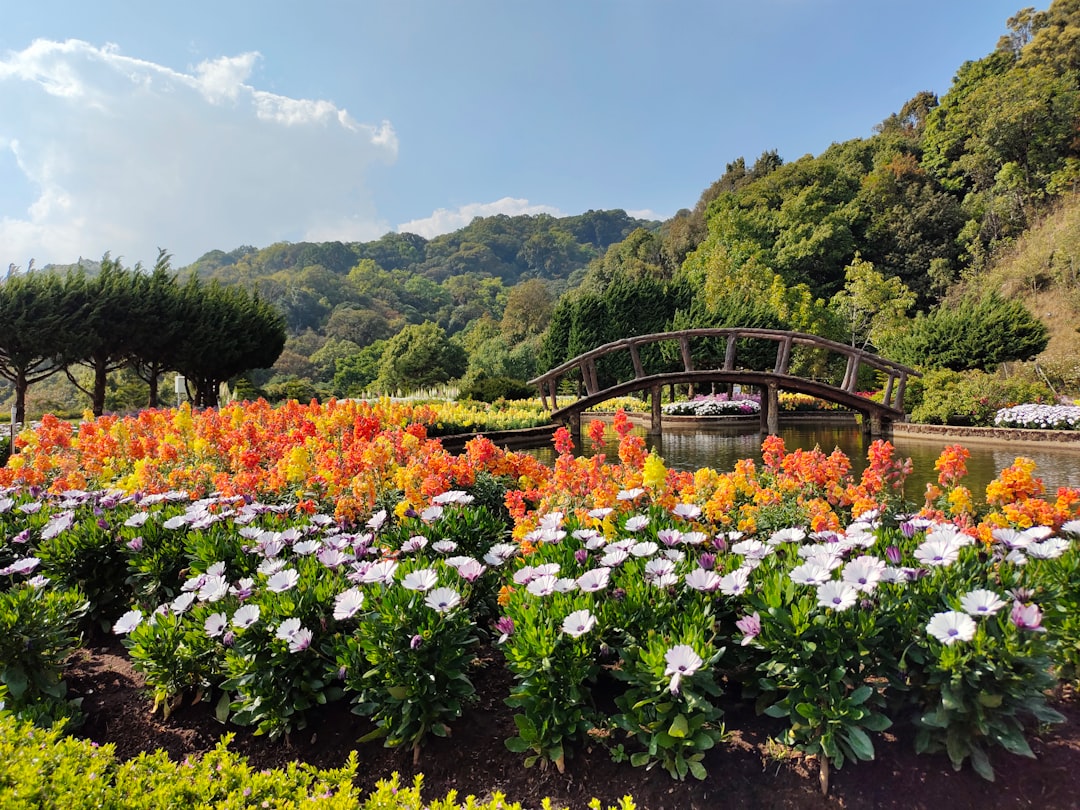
x: 745, y: 771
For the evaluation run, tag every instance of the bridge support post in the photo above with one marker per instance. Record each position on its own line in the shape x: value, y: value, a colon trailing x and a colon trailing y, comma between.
x: 773, y: 395
x: 876, y: 426
x: 770, y: 410
x: 656, y: 423
x: 573, y: 424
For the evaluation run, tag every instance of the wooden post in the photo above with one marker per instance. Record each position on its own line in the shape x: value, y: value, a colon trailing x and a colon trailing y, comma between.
x: 773, y: 396
x: 573, y: 422
x: 656, y: 423
x: 764, y: 411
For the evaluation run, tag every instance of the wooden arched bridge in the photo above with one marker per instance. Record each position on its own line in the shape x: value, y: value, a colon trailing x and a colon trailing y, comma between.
x: 697, y: 351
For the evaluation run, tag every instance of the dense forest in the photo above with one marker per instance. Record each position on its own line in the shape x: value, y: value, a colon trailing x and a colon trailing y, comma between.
x: 900, y: 242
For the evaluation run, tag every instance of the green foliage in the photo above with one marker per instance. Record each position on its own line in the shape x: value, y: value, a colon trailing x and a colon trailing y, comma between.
x: 35, y: 321
x: 976, y: 694
x: 419, y: 356
x: 977, y: 333
x: 176, y: 658
x: 38, y: 632
x: 355, y: 374
x: 80, y: 551
x: 490, y: 389
x: 273, y: 680
x: 870, y: 304
x: 553, y: 673
x: 231, y: 331
x: 972, y: 397
x: 674, y: 720
x: 43, y: 768
x: 823, y: 671
x: 408, y: 663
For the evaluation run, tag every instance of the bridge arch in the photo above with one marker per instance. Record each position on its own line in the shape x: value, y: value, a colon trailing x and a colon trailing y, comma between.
x: 698, y: 367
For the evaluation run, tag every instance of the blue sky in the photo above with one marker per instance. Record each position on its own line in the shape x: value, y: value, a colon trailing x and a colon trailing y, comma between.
x: 125, y: 126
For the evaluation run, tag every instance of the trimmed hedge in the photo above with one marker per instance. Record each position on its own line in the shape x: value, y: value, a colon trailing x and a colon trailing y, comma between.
x: 44, y: 768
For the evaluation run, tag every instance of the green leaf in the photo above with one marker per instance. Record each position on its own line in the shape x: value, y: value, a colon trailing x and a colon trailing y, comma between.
x: 697, y: 769
x: 15, y: 678
x: 936, y: 719
x: 375, y: 734
x: 639, y: 759
x: 990, y: 701
x: 861, y: 695
x: 860, y: 743
x: 678, y: 727
x: 957, y: 748
x: 398, y: 692
x: 526, y: 727
x: 981, y: 763
x: 1012, y: 740
x: 221, y: 710
x: 949, y: 700
x: 876, y: 722
x: 517, y: 745
x: 808, y: 710
x: 776, y: 710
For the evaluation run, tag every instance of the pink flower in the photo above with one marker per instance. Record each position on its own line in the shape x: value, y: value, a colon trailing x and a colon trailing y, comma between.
x: 1027, y: 617
x: 751, y: 627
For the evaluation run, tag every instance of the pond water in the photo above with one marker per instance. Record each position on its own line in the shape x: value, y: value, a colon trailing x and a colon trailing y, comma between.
x: 720, y: 447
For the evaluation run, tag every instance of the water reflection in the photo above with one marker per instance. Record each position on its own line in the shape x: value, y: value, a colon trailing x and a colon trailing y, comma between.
x: 720, y: 448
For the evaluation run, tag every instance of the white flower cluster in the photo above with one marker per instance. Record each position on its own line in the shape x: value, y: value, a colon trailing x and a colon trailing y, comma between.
x: 1039, y: 417
x: 712, y: 407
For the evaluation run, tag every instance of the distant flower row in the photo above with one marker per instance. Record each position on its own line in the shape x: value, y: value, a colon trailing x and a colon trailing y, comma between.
x: 1039, y: 417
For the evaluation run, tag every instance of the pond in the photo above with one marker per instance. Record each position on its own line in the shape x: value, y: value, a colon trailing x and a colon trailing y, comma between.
x: 720, y: 447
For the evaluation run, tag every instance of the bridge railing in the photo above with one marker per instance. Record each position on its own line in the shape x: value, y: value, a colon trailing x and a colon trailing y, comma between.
x: 586, y: 364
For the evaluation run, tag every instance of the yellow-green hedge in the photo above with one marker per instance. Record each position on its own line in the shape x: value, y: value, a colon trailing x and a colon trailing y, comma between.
x: 46, y: 769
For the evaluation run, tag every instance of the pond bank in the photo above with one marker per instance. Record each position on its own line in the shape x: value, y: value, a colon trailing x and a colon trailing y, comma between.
x: 1063, y: 439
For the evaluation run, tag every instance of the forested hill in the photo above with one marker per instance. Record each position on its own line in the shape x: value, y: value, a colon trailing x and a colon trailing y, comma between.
x: 504, y: 247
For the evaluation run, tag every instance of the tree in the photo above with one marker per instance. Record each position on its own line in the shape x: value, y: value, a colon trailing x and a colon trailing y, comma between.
x: 354, y: 374
x: 358, y: 325
x: 869, y: 302
x: 528, y: 310
x: 109, y: 319
x: 419, y: 356
x: 36, y: 321
x: 232, y: 331
x: 159, y: 324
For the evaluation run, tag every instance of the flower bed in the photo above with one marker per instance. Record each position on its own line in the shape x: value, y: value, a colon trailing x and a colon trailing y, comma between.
x: 816, y: 594
x: 1039, y: 417
x: 715, y: 405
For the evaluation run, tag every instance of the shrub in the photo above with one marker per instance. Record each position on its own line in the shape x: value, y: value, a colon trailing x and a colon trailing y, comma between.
x: 977, y: 333
x: 489, y: 389
x: 42, y: 768
x: 38, y: 631
x: 973, y: 397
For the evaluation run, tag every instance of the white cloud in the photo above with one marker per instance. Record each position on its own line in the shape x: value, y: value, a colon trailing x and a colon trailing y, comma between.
x: 445, y: 220
x: 125, y: 155
x: 647, y: 213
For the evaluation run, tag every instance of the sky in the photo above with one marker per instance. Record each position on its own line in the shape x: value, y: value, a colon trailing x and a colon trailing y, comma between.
x: 127, y: 126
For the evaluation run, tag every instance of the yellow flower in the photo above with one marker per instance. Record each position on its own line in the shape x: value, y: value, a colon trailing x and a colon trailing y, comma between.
x: 960, y: 501
x: 655, y: 473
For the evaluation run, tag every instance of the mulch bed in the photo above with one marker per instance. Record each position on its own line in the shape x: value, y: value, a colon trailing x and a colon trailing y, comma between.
x: 747, y: 770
